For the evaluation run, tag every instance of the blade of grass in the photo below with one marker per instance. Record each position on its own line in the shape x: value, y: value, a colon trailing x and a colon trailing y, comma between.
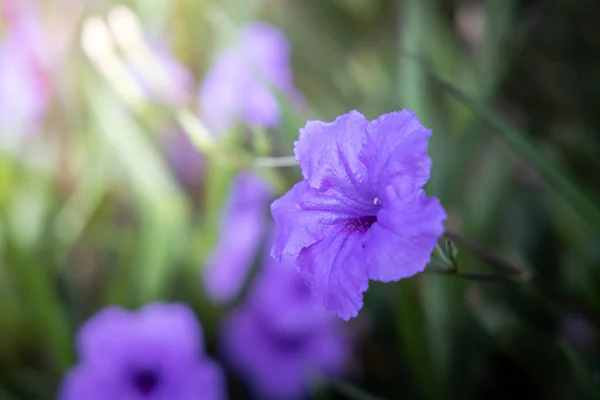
x: 37, y: 293
x: 518, y: 141
x: 163, y: 207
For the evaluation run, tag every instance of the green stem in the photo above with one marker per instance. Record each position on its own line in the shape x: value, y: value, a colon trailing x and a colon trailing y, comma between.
x: 32, y: 280
x: 472, y: 276
x: 557, y: 179
x: 519, y: 274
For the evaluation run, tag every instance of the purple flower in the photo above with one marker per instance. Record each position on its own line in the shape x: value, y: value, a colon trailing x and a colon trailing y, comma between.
x: 184, y: 158
x: 238, y: 85
x: 241, y: 232
x: 24, y: 90
x: 360, y: 213
x: 167, y: 80
x: 155, y: 353
x: 277, y: 341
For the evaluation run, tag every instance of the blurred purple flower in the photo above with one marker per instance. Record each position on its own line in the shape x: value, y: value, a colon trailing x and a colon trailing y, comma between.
x: 24, y: 89
x: 170, y: 82
x: 360, y: 212
x: 238, y: 85
x: 241, y: 232
x: 155, y: 353
x: 278, y: 342
x: 183, y: 156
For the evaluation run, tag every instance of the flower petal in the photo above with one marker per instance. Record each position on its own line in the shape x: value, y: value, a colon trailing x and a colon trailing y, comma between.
x: 334, y: 269
x: 260, y: 106
x: 267, y: 51
x: 240, y: 238
x: 219, y: 94
x: 204, y: 379
x: 305, y: 215
x: 396, y: 146
x: 85, y: 383
x: 115, y: 332
x: 328, y: 152
x: 400, y: 243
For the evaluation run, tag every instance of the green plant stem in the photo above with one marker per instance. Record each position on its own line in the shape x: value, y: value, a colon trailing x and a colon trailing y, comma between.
x: 472, y: 276
x: 518, y: 274
x: 556, y: 178
x: 35, y: 285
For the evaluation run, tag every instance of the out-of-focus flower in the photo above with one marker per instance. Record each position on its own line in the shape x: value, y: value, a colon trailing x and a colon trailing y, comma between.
x: 164, y: 79
x: 160, y: 76
x: 278, y: 342
x: 183, y: 156
x: 24, y: 89
x: 155, y: 353
x: 242, y: 230
x: 239, y: 85
x: 360, y: 213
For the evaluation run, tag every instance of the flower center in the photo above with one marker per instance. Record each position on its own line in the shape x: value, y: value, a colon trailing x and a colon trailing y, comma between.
x: 145, y: 380
x: 289, y: 343
x: 362, y: 224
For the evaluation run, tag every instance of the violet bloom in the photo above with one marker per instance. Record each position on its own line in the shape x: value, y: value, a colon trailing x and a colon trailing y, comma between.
x: 24, y: 90
x: 240, y: 236
x: 278, y: 342
x: 360, y: 213
x: 238, y: 87
x: 155, y: 353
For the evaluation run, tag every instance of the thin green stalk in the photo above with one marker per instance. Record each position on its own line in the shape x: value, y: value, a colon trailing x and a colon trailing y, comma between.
x: 517, y: 140
x: 522, y: 275
x: 37, y: 292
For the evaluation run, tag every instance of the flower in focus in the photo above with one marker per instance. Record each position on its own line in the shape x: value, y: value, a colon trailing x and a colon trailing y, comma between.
x: 24, y: 89
x: 241, y: 232
x: 155, y: 353
x: 238, y: 85
x: 277, y: 341
x: 360, y: 212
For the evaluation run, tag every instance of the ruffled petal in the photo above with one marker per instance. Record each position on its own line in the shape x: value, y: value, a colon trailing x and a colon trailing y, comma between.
x: 396, y: 147
x: 305, y: 215
x: 335, y: 271
x: 328, y: 153
x: 408, y: 226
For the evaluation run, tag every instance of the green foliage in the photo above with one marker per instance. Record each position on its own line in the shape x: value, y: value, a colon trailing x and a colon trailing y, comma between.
x: 91, y: 212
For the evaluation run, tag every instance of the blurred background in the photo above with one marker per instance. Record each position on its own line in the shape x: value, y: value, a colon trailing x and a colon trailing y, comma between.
x: 112, y: 183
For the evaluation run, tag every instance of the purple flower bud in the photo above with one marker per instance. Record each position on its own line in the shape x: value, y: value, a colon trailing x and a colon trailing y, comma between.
x: 239, y: 85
